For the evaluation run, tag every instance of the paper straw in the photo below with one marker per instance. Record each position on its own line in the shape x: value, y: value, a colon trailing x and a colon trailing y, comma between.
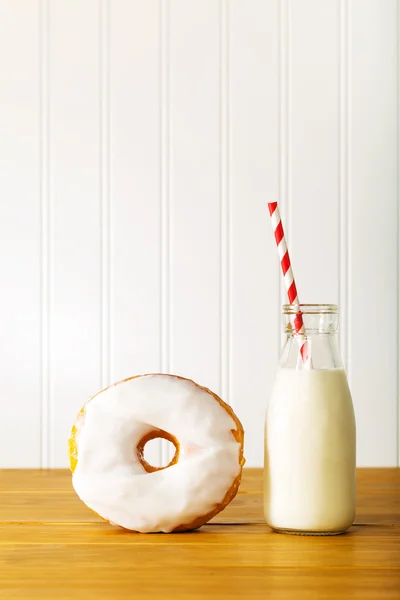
x: 290, y: 284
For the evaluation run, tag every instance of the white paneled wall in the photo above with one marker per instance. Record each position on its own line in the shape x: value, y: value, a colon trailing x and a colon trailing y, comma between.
x: 21, y: 207
x: 140, y: 141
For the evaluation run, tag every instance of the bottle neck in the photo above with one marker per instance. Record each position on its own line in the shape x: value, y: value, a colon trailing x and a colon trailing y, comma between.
x: 323, y: 350
x: 321, y: 325
x: 318, y: 319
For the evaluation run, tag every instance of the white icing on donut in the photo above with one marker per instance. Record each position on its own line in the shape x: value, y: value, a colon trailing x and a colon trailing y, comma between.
x: 109, y: 476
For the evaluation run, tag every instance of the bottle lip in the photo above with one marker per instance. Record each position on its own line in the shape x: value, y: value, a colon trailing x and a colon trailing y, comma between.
x: 310, y: 309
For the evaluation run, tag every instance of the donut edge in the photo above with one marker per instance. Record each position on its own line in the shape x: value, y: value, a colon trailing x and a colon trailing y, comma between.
x: 238, y: 435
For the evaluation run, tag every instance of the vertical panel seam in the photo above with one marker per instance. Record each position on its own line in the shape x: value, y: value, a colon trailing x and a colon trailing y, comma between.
x: 45, y: 304
x: 283, y: 136
x: 104, y: 190
x: 225, y: 234
x: 164, y: 192
x: 348, y: 191
x: 288, y: 116
x: 398, y: 231
x: 165, y: 234
x: 343, y: 231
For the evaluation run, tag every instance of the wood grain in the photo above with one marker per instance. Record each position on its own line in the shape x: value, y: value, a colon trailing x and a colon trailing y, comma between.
x: 52, y: 546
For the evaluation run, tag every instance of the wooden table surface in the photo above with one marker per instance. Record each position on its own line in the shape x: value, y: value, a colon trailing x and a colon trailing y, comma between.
x: 52, y: 546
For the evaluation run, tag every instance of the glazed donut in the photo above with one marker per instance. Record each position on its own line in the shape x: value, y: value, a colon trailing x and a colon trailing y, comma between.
x: 111, y: 476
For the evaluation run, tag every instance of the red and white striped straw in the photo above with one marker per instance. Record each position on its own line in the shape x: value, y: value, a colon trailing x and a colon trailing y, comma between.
x: 288, y: 276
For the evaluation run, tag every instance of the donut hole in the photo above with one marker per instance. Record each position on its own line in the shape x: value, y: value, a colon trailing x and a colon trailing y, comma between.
x: 153, y: 456
x: 148, y: 451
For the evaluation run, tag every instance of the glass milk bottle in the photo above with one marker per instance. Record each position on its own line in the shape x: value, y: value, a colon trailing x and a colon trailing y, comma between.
x: 310, y: 433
